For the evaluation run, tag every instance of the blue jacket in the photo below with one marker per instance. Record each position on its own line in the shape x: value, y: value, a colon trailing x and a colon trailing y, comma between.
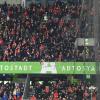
x: 5, y: 97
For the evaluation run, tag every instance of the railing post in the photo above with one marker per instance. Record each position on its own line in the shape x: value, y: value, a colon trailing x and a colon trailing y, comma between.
x: 26, y: 89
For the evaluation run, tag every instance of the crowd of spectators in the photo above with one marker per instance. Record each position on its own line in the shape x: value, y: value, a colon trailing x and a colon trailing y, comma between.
x: 37, y: 32
x: 48, y: 90
x: 62, y: 90
x: 11, y: 91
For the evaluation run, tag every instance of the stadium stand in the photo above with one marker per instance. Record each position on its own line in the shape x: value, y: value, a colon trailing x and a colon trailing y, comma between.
x: 61, y: 90
x: 35, y: 32
x: 48, y: 90
x: 11, y: 91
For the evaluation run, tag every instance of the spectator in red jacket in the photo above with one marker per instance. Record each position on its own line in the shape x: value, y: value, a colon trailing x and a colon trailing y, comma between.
x: 56, y: 95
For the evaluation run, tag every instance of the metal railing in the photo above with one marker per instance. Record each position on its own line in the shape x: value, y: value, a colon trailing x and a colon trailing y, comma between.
x: 26, y: 89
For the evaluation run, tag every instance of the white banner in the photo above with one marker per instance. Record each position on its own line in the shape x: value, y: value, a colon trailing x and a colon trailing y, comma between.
x: 85, y: 42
